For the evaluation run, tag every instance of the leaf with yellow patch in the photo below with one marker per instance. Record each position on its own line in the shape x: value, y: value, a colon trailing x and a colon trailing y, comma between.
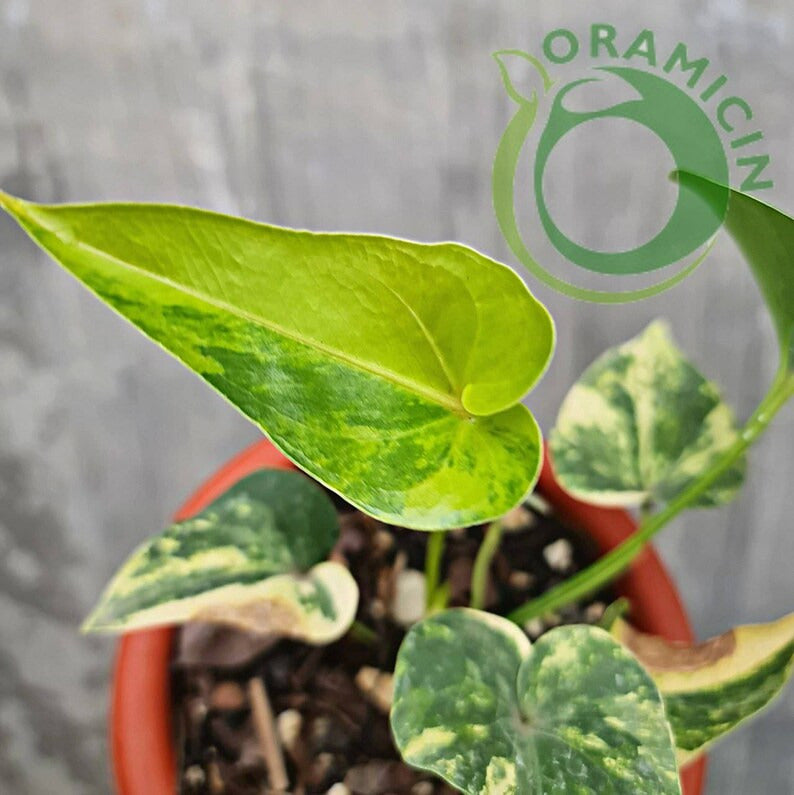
x: 391, y: 371
x: 714, y: 687
x: 641, y: 425
x: 478, y: 705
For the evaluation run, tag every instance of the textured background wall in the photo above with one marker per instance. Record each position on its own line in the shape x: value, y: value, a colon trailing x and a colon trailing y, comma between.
x: 344, y: 115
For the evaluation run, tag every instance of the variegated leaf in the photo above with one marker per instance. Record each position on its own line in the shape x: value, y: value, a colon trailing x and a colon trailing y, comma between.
x: 640, y: 425
x: 478, y: 705
x: 391, y: 371
x: 222, y: 564
x: 317, y: 607
x: 712, y: 688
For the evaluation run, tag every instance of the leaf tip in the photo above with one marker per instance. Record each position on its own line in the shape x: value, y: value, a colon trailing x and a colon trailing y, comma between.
x: 659, y: 328
x: 91, y: 625
x: 8, y: 202
x: 17, y: 208
x: 715, y: 195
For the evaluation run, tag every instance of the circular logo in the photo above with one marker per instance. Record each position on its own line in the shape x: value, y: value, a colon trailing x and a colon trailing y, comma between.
x: 661, y: 107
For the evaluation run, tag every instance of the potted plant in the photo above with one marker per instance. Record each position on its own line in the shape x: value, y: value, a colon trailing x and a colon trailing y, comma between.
x: 392, y: 373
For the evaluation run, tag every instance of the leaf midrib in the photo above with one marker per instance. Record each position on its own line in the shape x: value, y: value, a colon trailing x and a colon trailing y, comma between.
x: 447, y: 401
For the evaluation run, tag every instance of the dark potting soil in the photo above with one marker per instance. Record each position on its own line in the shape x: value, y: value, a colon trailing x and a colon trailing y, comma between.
x: 330, y: 703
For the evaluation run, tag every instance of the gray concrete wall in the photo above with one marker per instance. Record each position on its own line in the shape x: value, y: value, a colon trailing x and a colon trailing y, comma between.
x: 343, y: 115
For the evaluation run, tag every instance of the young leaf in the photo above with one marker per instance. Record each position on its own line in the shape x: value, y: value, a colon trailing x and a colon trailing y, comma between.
x: 712, y: 688
x: 223, y: 565
x: 478, y: 705
x: 765, y: 236
x: 641, y: 424
x: 391, y: 371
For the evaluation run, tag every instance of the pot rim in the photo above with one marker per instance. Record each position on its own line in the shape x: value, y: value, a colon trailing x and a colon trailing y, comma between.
x: 140, y: 711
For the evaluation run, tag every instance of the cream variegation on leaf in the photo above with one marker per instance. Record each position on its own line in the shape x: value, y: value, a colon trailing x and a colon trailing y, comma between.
x: 480, y: 706
x: 712, y: 688
x: 250, y: 560
x: 642, y: 424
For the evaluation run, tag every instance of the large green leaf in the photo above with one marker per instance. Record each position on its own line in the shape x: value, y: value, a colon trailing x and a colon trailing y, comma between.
x: 640, y: 425
x: 765, y: 236
x: 241, y: 562
x: 478, y: 705
x: 391, y: 371
x: 712, y: 688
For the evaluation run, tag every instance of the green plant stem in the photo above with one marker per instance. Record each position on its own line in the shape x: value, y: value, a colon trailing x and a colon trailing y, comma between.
x: 433, y: 555
x: 482, y: 564
x: 608, y: 567
x: 363, y: 634
x: 440, y: 599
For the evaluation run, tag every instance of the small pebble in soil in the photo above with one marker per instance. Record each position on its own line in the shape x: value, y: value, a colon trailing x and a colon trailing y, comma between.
x: 382, y: 542
x: 377, y: 686
x: 538, y: 504
x: 518, y: 519
x: 377, y: 609
x: 228, y: 696
x: 288, y: 726
x: 197, y: 709
x: 594, y: 612
x: 194, y: 777
x: 559, y: 554
x: 520, y: 580
x: 408, y: 605
x: 534, y: 628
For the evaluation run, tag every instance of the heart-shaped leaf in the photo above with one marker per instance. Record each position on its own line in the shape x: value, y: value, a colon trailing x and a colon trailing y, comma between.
x: 714, y: 687
x: 478, y: 705
x: 640, y: 425
x: 391, y: 371
x: 240, y: 562
x: 765, y: 236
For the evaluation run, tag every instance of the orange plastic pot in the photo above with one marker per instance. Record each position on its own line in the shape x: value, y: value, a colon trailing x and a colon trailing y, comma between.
x: 141, y: 740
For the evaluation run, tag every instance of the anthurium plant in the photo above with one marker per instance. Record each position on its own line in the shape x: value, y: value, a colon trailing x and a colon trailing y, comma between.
x: 392, y: 374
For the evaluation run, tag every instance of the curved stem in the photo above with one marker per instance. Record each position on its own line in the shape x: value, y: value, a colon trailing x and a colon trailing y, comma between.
x: 482, y: 564
x: 433, y: 555
x: 608, y: 567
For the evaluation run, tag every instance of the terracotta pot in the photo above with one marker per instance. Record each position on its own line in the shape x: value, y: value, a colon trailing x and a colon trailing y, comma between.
x: 143, y: 755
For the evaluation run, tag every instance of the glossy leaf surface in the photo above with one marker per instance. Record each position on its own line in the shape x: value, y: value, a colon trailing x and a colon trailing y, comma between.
x: 478, y: 705
x: 391, y: 371
x: 641, y: 424
x: 712, y: 688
